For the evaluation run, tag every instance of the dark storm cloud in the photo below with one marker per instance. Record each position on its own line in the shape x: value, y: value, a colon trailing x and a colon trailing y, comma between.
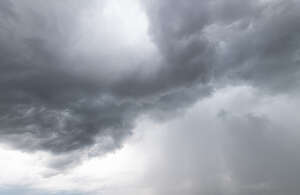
x: 43, y: 104
x: 253, y: 41
x: 47, y: 104
x: 53, y: 99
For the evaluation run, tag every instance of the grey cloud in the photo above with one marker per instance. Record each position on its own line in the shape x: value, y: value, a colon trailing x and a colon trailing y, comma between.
x: 46, y: 104
x: 246, y: 150
x: 266, y: 52
x: 253, y: 41
x: 262, y: 156
x: 52, y: 97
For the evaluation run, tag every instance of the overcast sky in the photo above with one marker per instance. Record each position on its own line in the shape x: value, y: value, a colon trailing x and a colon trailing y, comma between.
x: 149, y: 97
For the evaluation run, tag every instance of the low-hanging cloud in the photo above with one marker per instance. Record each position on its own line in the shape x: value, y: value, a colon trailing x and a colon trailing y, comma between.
x: 62, y: 90
x: 255, y: 41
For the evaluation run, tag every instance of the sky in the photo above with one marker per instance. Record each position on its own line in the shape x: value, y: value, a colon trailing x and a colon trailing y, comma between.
x: 149, y: 97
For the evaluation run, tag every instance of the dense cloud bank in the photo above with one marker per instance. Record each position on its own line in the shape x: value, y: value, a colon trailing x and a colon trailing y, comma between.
x: 254, y: 41
x: 65, y: 85
x: 237, y: 141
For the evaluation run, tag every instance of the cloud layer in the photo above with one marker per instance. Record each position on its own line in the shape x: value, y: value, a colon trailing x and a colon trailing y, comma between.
x: 237, y: 141
x: 72, y: 76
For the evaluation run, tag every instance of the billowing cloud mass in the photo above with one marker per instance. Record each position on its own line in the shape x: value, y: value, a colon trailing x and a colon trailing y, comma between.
x: 61, y: 87
x: 67, y: 76
x: 238, y: 141
x: 255, y: 41
x: 76, y: 77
